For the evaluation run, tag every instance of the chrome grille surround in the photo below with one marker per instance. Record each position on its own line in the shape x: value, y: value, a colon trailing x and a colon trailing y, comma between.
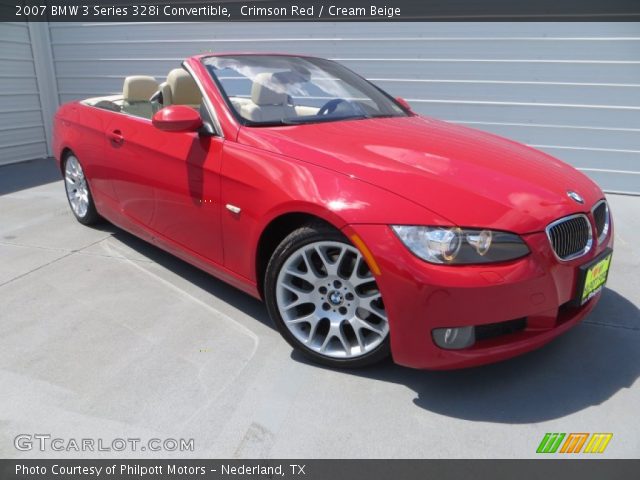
x: 570, y: 237
x: 601, y: 219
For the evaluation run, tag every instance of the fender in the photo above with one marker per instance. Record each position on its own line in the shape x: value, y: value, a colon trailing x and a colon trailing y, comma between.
x: 278, y: 185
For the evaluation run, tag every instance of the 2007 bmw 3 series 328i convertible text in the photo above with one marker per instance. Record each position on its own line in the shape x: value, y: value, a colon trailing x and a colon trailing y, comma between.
x: 367, y: 230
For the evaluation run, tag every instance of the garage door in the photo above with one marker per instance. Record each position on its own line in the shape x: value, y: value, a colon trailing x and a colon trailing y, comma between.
x: 22, y: 133
x: 570, y: 89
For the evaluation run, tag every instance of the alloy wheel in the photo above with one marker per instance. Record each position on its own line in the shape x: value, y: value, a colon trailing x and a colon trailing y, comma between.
x: 329, y: 300
x: 76, y: 186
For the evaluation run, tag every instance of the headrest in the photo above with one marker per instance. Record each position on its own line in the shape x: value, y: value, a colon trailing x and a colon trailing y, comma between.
x: 165, y: 90
x: 184, y: 90
x: 262, y: 93
x: 139, y: 88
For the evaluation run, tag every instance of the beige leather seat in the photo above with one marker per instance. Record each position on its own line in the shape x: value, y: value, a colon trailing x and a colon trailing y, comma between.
x: 238, y: 102
x: 180, y: 89
x: 136, y: 92
x: 266, y: 104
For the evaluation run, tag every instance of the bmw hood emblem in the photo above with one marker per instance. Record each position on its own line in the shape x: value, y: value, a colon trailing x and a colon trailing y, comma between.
x: 575, y: 196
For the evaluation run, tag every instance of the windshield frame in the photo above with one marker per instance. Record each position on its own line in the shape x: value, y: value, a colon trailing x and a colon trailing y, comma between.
x: 287, y: 123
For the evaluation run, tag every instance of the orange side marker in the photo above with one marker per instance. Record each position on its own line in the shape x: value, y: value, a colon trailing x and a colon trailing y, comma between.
x: 366, y: 253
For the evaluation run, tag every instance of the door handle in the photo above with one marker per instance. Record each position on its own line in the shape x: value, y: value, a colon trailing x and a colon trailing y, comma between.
x: 116, y: 137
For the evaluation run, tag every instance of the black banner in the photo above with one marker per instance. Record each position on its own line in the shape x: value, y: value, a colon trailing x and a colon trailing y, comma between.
x: 318, y: 10
x: 319, y: 469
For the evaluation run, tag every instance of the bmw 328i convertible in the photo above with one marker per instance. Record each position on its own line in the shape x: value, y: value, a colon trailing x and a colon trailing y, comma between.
x: 367, y: 229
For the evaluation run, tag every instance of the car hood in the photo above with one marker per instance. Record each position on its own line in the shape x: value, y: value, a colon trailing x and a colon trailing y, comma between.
x: 471, y: 178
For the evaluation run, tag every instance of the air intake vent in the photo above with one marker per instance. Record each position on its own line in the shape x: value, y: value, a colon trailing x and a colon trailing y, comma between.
x: 493, y: 330
x: 601, y: 219
x: 570, y: 237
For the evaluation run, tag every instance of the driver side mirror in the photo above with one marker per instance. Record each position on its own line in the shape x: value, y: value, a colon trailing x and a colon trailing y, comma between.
x: 177, y: 118
x: 404, y: 103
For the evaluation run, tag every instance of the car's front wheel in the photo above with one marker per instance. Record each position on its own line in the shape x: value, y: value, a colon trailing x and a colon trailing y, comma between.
x: 78, y: 193
x: 324, y: 299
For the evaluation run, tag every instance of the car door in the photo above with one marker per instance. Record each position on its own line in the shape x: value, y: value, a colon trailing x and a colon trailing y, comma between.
x: 170, y: 183
x: 129, y: 172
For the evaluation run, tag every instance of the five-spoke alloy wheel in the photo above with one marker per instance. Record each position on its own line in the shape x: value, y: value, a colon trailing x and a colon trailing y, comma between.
x: 325, y: 300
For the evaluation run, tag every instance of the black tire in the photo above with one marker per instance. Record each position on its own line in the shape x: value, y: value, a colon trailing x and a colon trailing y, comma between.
x: 305, y: 235
x: 91, y: 216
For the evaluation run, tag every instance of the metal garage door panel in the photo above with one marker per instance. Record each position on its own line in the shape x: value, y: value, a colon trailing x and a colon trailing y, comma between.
x: 529, y: 113
x: 517, y: 70
x: 573, y: 88
x: 522, y: 93
x: 19, y: 98
x: 580, y: 50
x: 557, y: 135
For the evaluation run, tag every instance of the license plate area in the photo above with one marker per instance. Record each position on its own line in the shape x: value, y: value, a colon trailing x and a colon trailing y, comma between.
x: 592, y: 277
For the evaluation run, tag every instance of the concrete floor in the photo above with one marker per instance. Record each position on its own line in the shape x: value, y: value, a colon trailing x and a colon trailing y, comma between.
x: 104, y: 336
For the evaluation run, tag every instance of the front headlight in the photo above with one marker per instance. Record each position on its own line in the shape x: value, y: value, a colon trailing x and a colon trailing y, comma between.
x: 460, y: 246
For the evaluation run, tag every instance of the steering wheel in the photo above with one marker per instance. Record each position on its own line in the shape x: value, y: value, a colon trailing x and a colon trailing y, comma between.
x: 331, y: 106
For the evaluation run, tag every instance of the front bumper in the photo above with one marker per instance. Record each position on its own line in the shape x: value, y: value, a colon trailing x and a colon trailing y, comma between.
x: 420, y: 297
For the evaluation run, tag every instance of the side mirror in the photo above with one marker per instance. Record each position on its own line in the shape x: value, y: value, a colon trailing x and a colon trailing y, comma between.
x: 177, y: 118
x: 404, y: 103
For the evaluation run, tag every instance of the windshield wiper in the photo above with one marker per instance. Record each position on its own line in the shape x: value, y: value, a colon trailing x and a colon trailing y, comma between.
x: 271, y: 123
x: 385, y: 115
x: 303, y: 120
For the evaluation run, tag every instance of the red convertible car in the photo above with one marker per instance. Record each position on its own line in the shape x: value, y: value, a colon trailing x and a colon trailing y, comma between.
x: 367, y: 230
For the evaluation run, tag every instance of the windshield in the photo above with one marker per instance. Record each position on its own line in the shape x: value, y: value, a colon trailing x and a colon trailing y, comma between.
x: 281, y: 90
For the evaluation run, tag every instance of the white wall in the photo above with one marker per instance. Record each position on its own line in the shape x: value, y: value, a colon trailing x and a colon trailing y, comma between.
x: 572, y: 89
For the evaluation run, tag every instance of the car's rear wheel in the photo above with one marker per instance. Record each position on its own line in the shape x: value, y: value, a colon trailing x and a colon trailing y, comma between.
x: 78, y: 193
x: 324, y: 299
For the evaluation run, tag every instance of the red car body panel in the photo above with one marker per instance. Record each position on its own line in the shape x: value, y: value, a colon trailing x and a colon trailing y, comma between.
x: 537, y: 287
x: 515, y: 188
x: 360, y: 176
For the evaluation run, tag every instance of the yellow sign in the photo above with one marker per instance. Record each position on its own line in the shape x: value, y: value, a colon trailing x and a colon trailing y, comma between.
x: 595, y: 278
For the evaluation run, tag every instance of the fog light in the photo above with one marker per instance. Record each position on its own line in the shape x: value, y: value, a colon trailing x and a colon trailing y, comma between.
x: 454, y: 338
